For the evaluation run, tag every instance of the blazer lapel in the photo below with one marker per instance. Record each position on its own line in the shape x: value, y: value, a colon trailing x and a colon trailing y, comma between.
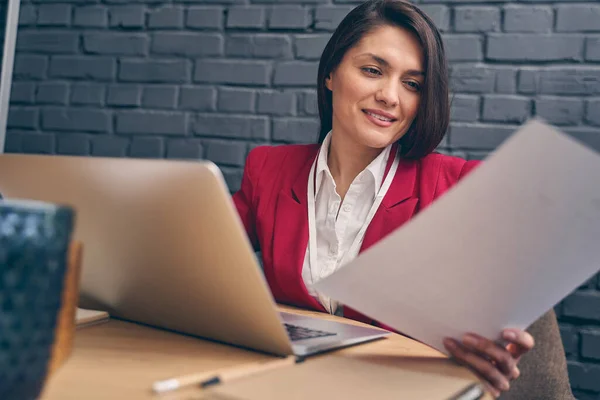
x: 290, y: 239
x: 398, y: 205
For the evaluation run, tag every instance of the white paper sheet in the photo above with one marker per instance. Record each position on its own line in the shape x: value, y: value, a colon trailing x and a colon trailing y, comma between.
x: 498, y: 250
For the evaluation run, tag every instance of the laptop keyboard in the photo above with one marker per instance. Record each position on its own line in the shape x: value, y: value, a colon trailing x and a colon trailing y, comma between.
x: 300, y: 333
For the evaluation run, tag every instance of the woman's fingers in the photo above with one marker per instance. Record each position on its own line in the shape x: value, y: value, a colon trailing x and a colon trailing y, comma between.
x: 482, y: 366
x: 500, y: 357
x: 520, y: 342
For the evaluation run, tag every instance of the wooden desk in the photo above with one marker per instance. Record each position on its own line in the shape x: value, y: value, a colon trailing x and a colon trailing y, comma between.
x: 121, y: 360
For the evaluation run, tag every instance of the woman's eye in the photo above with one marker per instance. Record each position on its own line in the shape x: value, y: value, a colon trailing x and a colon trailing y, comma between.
x: 371, y: 71
x: 413, y: 85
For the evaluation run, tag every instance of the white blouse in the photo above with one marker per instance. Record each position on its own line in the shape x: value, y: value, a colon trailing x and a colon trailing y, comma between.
x: 339, y: 226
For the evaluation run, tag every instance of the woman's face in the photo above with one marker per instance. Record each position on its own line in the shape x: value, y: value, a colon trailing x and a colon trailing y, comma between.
x: 376, y: 88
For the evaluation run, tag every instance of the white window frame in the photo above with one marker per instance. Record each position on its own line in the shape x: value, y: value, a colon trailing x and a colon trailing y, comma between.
x: 8, y: 59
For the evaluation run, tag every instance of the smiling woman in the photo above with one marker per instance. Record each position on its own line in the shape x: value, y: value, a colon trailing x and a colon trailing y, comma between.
x: 310, y: 209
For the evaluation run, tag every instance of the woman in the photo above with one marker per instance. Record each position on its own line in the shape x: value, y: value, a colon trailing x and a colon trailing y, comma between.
x: 384, y: 107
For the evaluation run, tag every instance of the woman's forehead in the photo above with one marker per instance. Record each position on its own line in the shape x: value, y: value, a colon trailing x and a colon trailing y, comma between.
x: 399, y: 48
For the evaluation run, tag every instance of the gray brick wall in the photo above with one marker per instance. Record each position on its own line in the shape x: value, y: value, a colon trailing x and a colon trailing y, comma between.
x: 213, y: 78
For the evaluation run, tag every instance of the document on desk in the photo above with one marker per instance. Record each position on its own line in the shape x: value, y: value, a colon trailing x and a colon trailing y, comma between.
x: 498, y: 250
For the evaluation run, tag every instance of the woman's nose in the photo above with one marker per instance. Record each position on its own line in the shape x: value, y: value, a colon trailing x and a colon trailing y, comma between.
x: 388, y: 94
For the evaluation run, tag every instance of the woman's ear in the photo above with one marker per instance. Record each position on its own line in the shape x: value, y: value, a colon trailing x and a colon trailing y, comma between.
x: 328, y: 84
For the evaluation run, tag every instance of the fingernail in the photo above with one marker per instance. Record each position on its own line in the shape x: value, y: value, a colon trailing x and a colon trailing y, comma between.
x: 504, y: 386
x: 516, y: 373
x: 470, y: 340
x: 509, y: 335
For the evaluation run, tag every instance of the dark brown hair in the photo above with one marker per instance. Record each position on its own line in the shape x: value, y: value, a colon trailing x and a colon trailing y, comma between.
x: 433, y: 116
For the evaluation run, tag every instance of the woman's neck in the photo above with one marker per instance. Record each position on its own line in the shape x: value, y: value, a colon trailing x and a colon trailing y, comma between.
x: 346, y: 160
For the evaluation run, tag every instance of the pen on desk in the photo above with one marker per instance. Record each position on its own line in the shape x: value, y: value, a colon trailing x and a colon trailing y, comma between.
x: 205, y: 379
x: 472, y: 392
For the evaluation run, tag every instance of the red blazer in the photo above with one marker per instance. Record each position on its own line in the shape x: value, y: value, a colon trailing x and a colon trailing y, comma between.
x: 272, y: 203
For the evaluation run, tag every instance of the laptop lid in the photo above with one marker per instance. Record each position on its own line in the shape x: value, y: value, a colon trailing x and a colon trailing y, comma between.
x: 163, y: 244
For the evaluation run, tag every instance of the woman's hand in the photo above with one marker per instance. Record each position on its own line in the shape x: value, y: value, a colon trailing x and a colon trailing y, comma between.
x: 497, y: 365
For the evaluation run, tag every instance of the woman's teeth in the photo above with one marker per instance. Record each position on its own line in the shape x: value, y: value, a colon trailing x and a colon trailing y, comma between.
x: 379, y: 117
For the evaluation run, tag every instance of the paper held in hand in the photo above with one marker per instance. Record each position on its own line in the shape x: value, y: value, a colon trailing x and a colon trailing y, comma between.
x: 498, y: 250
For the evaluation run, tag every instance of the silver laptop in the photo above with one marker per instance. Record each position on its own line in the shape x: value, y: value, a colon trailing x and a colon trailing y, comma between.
x: 164, y: 245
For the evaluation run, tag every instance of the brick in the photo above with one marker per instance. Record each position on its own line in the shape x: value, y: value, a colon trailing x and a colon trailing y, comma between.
x: 22, y: 93
x: 506, y: 80
x: 23, y: 118
x: 272, y: 46
x: 295, y: 130
x: 478, y: 136
x: 27, y: 15
x: 296, y: 73
x: 584, y: 376
x: 146, y: 147
x: 12, y: 143
x: 463, y: 47
x: 127, y: 16
x: 160, y: 97
x: 476, y: 19
x: 52, y: 93
x: 236, y: 100
x: 584, y: 305
x: 37, y: 143
x: 29, y: 66
x: 233, y: 178
x: 151, y: 122
x: 73, y: 144
x: 204, y: 18
x: 590, y: 344
x: 90, y: 17
x: 519, y: 18
x: 329, y: 17
x: 166, y: 17
x: 87, y: 94
x: 294, y: 1
x: 154, y: 71
x: 54, y: 15
x: 529, y: 47
x: 472, y: 79
x: 124, y: 95
x: 310, y: 47
x: 592, y: 112
x: 187, y: 44
x: 246, y: 17
x: 308, y: 103
x: 276, y: 103
x: 502, y: 108
x: 226, y: 152
x: 115, y: 43
x: 289, y: 17
x: 231, y: 126
x: 528, y: 80
x: 76, y: 120
x: 109, y: 146
x: 198, y: 99
x: 578, y: 18
x: 569, y: 81
x: 47, y: 42
x: 560, y: 110
x: 570, y: 339
x: 260, y: 45
x: 440, y: 14
x: 184, y: 149
x: 465, y: 108
x: 592, y: 49
x: 88, y: 68
x: 241, y: 72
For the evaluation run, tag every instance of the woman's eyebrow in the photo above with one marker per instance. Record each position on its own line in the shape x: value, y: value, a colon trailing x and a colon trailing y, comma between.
x: 385, y: 64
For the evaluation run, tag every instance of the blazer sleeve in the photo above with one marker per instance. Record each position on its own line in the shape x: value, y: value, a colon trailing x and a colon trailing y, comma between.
x: 468, y: 167
x: 245, y: 198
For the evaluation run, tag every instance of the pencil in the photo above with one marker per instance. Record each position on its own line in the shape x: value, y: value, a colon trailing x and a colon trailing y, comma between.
x: 223, y: 375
